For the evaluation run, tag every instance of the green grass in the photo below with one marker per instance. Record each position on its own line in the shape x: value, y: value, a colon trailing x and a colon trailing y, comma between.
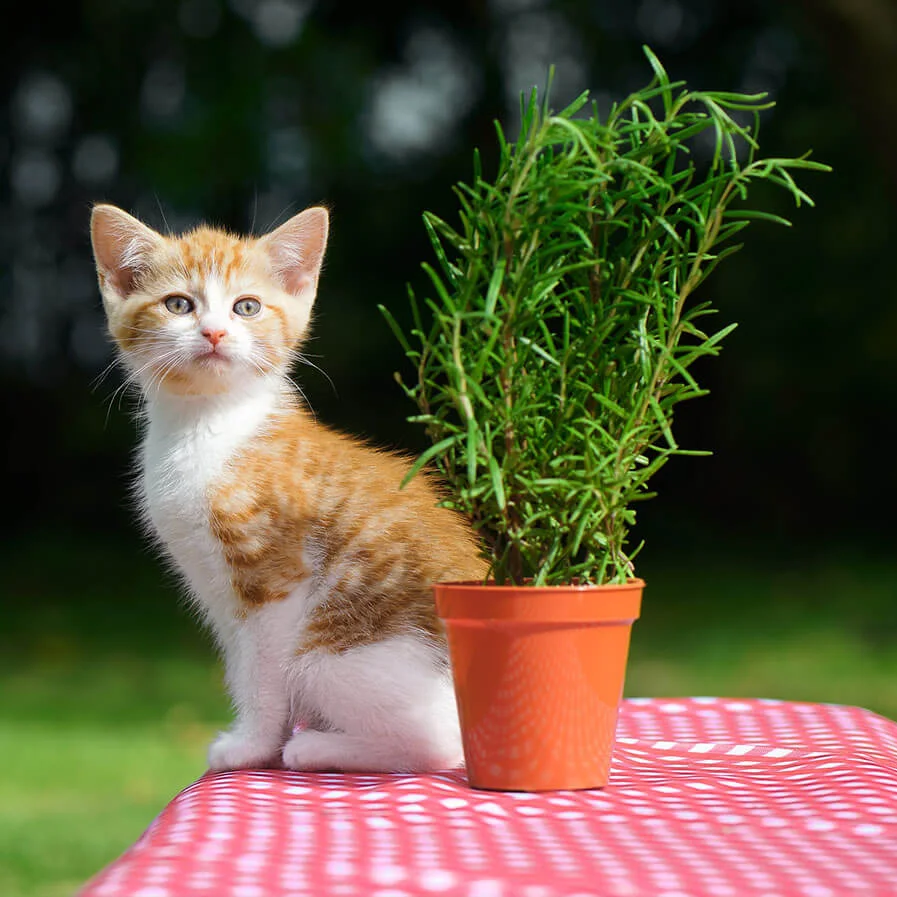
x: 74, y: 796
x: 109, y: 693
x: 108, y: 697
x: 822, y: 631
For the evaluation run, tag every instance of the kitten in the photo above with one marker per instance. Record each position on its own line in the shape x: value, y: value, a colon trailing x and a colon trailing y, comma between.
x: 309, y: 563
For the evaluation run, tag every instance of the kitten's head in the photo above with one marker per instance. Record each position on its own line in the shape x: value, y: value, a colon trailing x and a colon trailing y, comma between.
x: 205, y: 312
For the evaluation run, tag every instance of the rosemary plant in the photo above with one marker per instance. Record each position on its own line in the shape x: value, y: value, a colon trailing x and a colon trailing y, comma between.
x: 563, y: 323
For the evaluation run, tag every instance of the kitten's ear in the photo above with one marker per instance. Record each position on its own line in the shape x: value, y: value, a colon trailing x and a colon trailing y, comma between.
x: 296, y: 250
x: 122, y: 247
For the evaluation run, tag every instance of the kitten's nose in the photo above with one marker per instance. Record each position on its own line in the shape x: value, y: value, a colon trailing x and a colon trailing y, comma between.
x: 214, y: 336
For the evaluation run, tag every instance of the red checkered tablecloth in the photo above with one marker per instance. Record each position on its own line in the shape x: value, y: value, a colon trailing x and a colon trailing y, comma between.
x: 707, y: 798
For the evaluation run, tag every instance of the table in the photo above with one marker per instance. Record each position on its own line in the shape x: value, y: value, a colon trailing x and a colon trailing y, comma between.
x: 708, y: 797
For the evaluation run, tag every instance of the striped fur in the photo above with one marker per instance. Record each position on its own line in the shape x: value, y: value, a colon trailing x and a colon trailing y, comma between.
x: 297, y: 544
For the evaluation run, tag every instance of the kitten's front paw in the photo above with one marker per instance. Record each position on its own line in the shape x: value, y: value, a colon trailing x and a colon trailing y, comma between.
x: 236, y: 750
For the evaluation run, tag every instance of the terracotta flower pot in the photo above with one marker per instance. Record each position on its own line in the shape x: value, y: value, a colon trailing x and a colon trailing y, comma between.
x: 538, y: 679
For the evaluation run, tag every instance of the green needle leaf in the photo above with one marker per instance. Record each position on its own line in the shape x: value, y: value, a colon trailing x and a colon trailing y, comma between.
x: 559, y: 316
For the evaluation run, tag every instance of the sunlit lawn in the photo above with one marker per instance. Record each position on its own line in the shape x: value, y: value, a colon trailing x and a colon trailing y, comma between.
x: 108, y: 695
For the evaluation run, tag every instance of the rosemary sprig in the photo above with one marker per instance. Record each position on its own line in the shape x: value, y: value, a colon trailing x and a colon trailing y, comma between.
x: 562, y: 323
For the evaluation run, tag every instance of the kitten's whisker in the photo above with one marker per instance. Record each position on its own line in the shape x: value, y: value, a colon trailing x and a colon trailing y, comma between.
x: 298, y: 390
x: 133, y: 377
x: 262, y: 364
x: 120, y: 391
x: 98, y: 380
x: 158, y: 377
x: 262, y: 370
x: 162, y: 213
x: 159, y: 358
x: 129, y: 380
x: 279, y: 215
x: 143, y: 344
x: 304, y: 359
x: 109, y: 404
x: 180, y: 356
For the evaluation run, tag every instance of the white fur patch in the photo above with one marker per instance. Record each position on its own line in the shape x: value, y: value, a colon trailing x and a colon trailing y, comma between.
x: 259, y: 652
x: 188, y: 442
x: 389, y: 705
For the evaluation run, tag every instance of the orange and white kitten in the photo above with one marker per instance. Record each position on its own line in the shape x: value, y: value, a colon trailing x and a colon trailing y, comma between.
x: 309, y: 563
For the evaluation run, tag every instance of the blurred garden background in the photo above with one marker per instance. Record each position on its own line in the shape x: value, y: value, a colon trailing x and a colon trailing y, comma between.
x: 771, y: 566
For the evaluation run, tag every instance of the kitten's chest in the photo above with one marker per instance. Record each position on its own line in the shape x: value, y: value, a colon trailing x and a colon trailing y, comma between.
x: 182, y: 463
x: 177, y: 477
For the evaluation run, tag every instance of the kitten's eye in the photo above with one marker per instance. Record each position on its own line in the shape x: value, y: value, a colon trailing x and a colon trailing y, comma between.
x: 247, y: 307
x: 179, y: 305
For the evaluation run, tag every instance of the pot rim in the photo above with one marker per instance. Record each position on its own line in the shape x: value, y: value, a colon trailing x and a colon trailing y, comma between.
x: 471, y: 584
x: 526, y: 605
